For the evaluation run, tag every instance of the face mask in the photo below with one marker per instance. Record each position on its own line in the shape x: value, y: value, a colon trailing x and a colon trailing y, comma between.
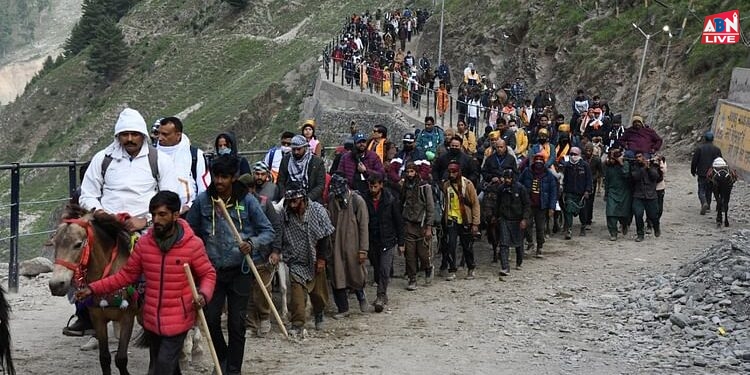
x: 286, y: 149
x: 575, y: 158
x: 542, y: 140
x: 537, y: 166
x: 225, y: 151
x: 453, y: 151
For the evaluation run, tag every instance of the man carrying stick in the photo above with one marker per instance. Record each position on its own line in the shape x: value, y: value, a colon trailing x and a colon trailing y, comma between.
x: 306, y: 241
x: 228, y: 255
x: 168, y: 310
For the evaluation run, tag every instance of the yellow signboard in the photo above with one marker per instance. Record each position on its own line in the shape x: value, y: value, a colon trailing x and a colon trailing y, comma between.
x: 731, y: 129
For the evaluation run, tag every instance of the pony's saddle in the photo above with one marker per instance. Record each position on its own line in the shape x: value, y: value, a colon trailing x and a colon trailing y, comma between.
x: 722, y: 175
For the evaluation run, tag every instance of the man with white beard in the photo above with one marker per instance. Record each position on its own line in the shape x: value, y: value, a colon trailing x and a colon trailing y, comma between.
x: 190, y: 163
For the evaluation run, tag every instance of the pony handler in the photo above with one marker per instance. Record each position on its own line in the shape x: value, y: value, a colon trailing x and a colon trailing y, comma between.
x: 169, y: 308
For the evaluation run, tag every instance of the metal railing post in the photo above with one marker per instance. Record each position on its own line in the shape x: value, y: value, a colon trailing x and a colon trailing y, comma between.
x: 72, y: 178
x: 15, y: 186
x: 427, y: 93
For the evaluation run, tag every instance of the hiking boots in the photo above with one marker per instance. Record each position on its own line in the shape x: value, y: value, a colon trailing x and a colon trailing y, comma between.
x: 319, y: 321
x: 265, y: 327
x: 470, y: 275
x: 79, y: 328
x: 412, y: 285
x: 705, y: 207
x: 451, y: 276
x: 379, y: 305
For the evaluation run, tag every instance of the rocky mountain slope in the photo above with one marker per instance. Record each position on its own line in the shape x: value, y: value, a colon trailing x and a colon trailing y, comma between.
x: 34, y: 30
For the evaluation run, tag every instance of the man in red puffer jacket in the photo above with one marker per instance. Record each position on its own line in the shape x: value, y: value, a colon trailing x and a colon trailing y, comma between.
x: 169, y: 308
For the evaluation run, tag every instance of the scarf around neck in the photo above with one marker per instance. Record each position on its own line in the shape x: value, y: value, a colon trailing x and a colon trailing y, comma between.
x: 298, y: 168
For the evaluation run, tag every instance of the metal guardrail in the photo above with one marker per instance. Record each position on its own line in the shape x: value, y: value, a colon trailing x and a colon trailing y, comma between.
x: 16, y: 203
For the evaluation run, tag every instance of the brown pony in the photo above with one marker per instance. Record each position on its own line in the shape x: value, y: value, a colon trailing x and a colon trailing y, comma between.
x: 89, y: 246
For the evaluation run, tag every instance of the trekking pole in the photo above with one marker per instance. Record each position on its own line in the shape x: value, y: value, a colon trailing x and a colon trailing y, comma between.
x: 249, y: 260
x: 202, y: 319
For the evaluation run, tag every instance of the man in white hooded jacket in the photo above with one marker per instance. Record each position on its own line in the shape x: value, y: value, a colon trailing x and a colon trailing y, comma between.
x: 176, y: 144
x: 128, y: 183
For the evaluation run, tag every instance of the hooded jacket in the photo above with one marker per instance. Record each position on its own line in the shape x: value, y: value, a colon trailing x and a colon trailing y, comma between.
x: 209, y: 224
x: 243, y: 166
x: 128, y: 184
x: 168, y: 309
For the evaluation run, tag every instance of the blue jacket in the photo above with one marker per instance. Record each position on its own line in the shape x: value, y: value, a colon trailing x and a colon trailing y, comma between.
x: 208, y: 223
x: 548, y: 189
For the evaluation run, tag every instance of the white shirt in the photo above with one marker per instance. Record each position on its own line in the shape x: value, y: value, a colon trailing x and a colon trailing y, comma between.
x: 128, y: 185
x: 190, y: 186
x: 473, y: 109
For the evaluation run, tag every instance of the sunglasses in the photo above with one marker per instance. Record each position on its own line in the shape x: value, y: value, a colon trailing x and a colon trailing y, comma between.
x: 573, y: 154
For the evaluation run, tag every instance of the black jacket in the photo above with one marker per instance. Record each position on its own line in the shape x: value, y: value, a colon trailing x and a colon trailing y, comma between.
x: 468, y: 166
x: 496, y: 164
x: 316, y: 177
x: 513, y: 203
x: 644, y: 181
x: 703, y: 159
x: 386, y: 223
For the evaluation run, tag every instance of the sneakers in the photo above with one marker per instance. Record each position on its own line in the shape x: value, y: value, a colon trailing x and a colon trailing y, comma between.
x: 319, y: 321
x: 704, y: 207
x: 265, y: 327
x: 78, y: 328
x: 568, y: 234
x: 639, y: 238
x: 92, y: 344
x: 519, y: 268
x: 412, y: 285
x: 504, y: 272
x: 451, y: 276
x: 613, y: 237
x: 470, y: 275
x: 341, y: 315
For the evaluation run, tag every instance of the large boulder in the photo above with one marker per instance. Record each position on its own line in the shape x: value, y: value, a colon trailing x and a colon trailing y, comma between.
x: 33, y: 267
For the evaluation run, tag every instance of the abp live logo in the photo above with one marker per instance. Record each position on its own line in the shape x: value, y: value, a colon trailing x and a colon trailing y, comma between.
x: 722, y: 28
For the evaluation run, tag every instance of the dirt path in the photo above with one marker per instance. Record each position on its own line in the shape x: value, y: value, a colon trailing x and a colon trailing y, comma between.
x: 547, y: 318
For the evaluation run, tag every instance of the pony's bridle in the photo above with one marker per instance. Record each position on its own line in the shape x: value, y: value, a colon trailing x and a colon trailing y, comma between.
x: 80, y: 269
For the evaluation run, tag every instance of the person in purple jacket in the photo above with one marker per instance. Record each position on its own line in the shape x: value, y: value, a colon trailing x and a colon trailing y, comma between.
x: 359, y: 163
x: 639, y: 138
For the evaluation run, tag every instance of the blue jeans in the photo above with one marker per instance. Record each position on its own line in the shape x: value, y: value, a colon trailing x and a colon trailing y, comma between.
x: 704, y: 190
x: 232, y: 287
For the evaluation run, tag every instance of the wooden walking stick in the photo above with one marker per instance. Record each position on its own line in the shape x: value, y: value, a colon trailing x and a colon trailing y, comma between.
x: 249, y: 261
x: 202, y: 319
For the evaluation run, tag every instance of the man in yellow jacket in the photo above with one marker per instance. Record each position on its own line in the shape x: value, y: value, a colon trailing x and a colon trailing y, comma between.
x: 461, y: 221
x: 522, y: 139
x: 469, y: 139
